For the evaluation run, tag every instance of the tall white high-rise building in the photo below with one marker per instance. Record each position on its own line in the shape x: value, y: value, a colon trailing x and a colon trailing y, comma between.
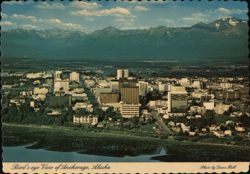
x: 74, y: 76
x: 122, y: 73
x: 125, y: 73
x: 58, y: 75
x: 143, y: 87
x: 61, y: 85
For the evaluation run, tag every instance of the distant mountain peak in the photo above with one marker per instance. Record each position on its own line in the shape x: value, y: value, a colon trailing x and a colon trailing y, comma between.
x: 107, y: 30
x: 160, y: 42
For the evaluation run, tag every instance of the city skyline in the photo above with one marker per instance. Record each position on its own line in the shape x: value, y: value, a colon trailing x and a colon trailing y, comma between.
x: 90, y: 16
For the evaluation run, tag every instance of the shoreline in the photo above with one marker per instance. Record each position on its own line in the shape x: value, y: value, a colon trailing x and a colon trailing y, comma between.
x: 119, y: 135
x: 68, y: 139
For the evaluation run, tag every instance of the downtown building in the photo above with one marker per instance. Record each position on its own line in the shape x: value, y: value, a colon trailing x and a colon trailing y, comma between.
x: 177, y: 102
x: 74, y: 77
x: 60, y: 85
x: 122, y: 73
x: 130, y: 94
x: 130, y: 106
x: 109, y: 98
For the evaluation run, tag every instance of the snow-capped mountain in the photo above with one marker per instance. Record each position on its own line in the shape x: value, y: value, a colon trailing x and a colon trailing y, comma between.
x: 223, y: 38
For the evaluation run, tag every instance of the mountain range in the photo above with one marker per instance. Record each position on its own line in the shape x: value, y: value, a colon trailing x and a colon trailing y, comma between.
x: 221, y: 39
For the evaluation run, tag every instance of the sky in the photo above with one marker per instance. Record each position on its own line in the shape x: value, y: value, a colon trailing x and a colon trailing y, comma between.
x: 89, y: 16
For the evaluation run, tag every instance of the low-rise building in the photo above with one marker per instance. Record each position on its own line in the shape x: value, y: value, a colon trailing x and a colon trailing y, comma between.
x: 109, y: 98
x: 219, y: 134
x: 209, y: 105
x: 130, y: 110
x: 83, y: 105
x: 86, y: 119
x: 43, y: 91
x: 240, y: 129
x: 197, y: 110
x: 220, y: 108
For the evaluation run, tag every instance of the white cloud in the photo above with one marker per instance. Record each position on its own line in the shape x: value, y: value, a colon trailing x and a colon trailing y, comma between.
x: 24, y: 17
x: 225, y: 11
x: 54, y: 21
x: 85, y: 5
x: 124, y: 22
x: 58, y: 23
x: 194, y: 18
x: 28, y: 27
x: 7, y: 23
x: 53, y: 5
x: 140, y: 8
x: 116, y: 11
x: 135, y: 28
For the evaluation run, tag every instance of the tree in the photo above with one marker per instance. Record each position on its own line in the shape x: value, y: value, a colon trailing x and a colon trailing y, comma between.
x: 82, y: 112
x: 244, y: 119
x: 209, y: 117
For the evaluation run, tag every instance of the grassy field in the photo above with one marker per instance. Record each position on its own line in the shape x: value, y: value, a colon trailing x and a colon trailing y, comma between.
x: 114, y: 144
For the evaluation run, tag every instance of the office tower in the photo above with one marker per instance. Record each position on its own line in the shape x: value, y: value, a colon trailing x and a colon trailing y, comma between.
x: 74, y: 76
x: 122, y: 73
x: 125, y: 73
x: 126, y: 82
x: 114, y: 85
x: 231, y: 95
x: 61, y: 86
x: 58, y: 75
x: 244, y: 93
x: 177, y: 102
x: 143, y: 88
x: 130, y: 110
x: 109, y: 98
x: 162, y: 87
x: 130, y: 95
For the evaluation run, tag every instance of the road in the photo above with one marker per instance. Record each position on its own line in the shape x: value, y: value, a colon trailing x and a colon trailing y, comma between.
x: 161, y: 123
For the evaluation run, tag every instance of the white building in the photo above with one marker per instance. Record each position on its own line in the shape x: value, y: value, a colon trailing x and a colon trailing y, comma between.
x: 43, y: 91
x: 89, y: 119
x: 196, y: 84
x: 220, y: 108
x: 226, y: 85
x: 74, y: 77
x: 57, y: 75
x: 177, y: 88
x: 122, y: 73
x: 162, y: 87
x: 114, y: 84
x: 184, y: 82
x: 143, y: 88
x: 83, y: 105
x: 130, y: 110
x: 198, y: 109
x: 35, y: 75
x: 61, y: 85
x: 209, y: 105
